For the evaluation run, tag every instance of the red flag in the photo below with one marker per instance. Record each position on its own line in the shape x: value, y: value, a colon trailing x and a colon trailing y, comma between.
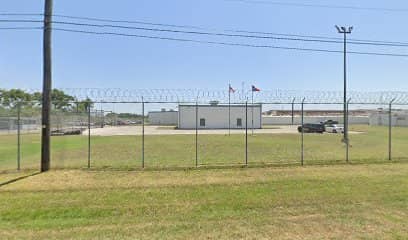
x: 231, y: 90
x: 255, y: 89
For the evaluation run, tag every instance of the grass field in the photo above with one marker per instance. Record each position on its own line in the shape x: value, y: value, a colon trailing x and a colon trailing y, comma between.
x: 124, y: 152
x: 313, y: 202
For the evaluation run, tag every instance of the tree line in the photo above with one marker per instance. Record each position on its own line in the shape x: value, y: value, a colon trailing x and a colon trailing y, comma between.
x: 12, y: 98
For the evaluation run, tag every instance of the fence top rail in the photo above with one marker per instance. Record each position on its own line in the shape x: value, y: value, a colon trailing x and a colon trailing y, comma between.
x: 278, y: 96
x: 306, y: 102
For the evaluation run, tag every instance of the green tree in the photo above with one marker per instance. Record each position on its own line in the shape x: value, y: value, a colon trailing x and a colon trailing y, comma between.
x: 82, y: 106
x: 10, y: 98
x: 59, y: 99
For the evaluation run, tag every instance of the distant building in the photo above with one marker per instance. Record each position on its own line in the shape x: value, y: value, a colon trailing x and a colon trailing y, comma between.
x: 287, y: 120
x: 399, y: 118
x: 214, y: 116
x: 163, y: 117
x: 11, y: 123
x: 316, y: 113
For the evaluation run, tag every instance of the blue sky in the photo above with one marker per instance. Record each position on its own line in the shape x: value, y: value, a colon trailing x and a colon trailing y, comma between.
x: 86, y: 61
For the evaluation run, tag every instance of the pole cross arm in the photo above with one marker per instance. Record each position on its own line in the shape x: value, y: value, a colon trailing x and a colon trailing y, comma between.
x: 345, y: 30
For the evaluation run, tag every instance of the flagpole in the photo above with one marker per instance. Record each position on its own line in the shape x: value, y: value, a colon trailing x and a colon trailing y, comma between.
x: 252, y: 111
x: 243, y: 92
x: 229, y: 110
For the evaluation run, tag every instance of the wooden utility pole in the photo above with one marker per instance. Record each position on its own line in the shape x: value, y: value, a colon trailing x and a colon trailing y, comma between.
x: 46, y: 95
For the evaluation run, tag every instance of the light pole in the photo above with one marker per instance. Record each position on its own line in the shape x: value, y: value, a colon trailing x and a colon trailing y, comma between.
x: 345, y: 31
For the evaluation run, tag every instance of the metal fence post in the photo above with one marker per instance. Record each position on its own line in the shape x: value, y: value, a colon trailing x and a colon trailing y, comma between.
x: 252, y: 114
x: 246, y: 133
x: 302, y: 135
x: 196, y: 134
x: 293, y: 111
x: 18, y: 135
x: 346, y: 127
x: 89, y: 135
x: 390, y: 130
x: 143, y: 133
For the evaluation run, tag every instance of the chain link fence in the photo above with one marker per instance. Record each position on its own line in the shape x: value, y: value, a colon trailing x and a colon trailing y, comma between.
x: 137, y: 135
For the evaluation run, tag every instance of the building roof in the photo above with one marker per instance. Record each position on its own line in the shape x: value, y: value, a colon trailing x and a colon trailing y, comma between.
x: 163, y: 111
x: 219, y: 105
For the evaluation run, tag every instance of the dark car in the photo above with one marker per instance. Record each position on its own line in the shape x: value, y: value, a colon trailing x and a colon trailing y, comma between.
x: 311, y: 128
x: 331, y: 122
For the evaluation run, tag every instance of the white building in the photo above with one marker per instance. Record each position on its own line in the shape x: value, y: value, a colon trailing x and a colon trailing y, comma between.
x: 381, y: 118
x: 216, y: 116
x: 287, y: 120
x: 163, y: 117
x: 11, y: 123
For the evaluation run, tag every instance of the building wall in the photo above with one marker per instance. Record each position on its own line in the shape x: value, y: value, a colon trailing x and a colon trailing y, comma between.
x: 163, y: 118
x: 382, y: 119
x: 216, y: 117
x: 11, y: 123
x: 286, y: 120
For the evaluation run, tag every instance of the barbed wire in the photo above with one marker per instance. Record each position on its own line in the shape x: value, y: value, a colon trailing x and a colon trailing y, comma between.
x: 207, y: 95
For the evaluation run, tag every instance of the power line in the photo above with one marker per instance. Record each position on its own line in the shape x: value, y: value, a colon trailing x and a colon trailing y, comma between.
x: 106, y: 20
x: 320, y: 37
x: 21, y: 14
x: 191, y: 32
x: 352, y: 41
x: 192, y: 40
x: 360, y: 42
x: 229, y: 43
x: 225, y: 30
x: 21, y: 28
x: 312, y: 5
x: 20, y: 21
x: 129, y: 22
x: 211, y: 33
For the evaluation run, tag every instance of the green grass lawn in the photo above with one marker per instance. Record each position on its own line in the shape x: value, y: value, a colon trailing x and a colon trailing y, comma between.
x: 312, y: 202
x: 179, y: 150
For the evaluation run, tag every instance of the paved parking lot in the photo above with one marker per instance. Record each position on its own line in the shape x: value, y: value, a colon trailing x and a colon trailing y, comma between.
x: 168, y: 130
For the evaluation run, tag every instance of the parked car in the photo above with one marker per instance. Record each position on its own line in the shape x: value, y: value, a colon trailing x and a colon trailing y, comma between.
x: 328, y: 122
x: 311, y: 128
x: 334, y: 128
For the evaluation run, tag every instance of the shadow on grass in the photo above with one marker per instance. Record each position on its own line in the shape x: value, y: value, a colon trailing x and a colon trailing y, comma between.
x: 18, y: 179
x: 218, y: 166
x: 242, y: 166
